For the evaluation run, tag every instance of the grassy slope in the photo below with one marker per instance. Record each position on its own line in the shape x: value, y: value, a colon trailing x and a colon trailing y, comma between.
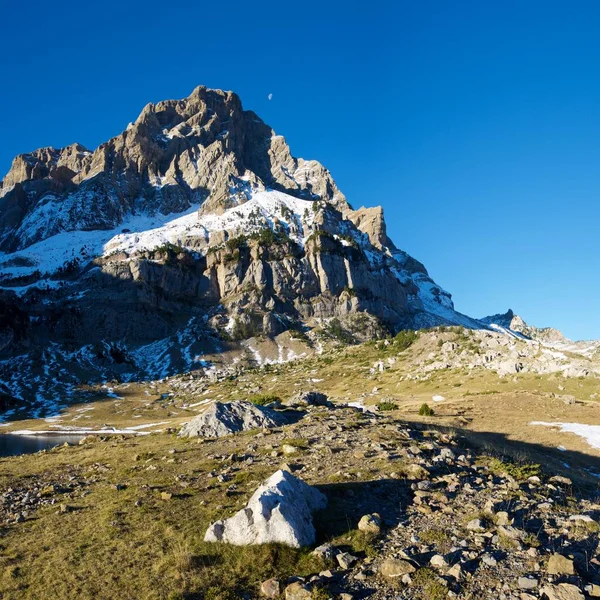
x: 109, y: 547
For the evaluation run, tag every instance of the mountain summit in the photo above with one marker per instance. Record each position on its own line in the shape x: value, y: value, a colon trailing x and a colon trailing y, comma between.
x: 192, y: 230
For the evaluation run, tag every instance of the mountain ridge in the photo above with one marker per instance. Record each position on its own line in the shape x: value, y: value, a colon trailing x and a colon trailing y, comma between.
x: 186, y: 235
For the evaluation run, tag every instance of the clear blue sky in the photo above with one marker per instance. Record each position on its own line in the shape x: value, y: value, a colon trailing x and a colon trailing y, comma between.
x: 475, y: 124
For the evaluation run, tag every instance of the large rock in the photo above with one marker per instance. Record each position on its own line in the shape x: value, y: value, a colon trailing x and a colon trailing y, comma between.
x: 393, y: 568
x: 562, y: 591
x: 560, y: 565
x: 308, y: 399
x: 225, y: 418
x: 279, y: 511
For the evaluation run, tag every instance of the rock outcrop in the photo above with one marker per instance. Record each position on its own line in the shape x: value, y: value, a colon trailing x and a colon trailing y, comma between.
x: 280, y: 511
x: 225, y: 418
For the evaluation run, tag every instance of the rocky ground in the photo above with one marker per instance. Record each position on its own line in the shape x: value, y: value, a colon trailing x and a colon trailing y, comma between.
x: 413, y: 512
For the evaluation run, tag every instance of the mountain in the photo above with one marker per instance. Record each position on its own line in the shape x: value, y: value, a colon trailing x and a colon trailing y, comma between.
x: 514, y: 325
x: 193, y: 230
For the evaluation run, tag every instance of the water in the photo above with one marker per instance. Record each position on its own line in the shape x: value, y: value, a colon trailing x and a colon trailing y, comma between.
x: 13, y: 445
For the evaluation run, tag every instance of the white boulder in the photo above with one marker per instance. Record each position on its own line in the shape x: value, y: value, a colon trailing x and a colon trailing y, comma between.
x: 279, y: 511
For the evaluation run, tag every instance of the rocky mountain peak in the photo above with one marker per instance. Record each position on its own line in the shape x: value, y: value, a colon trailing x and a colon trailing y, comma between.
x: 194, y: 226
x: 204, y: 149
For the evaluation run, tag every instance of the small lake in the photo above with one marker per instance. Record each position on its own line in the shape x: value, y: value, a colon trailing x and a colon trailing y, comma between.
x: 13, y: 445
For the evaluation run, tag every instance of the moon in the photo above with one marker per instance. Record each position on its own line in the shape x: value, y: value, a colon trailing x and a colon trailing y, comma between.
x: 270, y: 96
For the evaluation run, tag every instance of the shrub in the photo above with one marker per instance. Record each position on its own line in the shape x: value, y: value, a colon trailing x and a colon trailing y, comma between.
x: 426, y: 410
x: 236, y: 243
x: 320, y: 593
x: 334, y: 329
x: 405, y: 339
x: 264, y: 399
x: 387, y: 405
x: 246, y: 326
x: 301, y: 335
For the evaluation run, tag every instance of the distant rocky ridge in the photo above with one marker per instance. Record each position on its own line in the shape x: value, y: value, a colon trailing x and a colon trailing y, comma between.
x: 513, y: 324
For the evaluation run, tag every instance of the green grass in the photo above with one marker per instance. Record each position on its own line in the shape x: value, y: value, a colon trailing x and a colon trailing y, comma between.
x: 431, y: 588
x: 438, y: 538
x: 107, y: 547
x: 520, y: 471
x: 299, y: 443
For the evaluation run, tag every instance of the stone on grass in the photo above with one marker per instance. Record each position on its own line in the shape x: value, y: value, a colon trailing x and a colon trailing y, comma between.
x: 475, y: 525
x: 393, y: 568
x: 279, y: 511
x: 271, y: 588
x: 346, y: 560
x: 415, y: 471
x: 225, y: 418
x: 438, y: 561
x: 370, y: 524
x: 325, y: 552
x: 297, y: 591
x: 456, y: 572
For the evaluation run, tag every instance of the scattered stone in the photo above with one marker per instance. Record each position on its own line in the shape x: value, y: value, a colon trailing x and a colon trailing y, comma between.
x: 560, y: 565
x: 560, y: 480
x: 447, y: 454
x: 489, y: 560
x: 456, y: 572
x: 325, y: 552
x: 593, y: 590
x: 415, y: 471
x: 308, y: 399
x: 502, y: 518
x: 297, y: 591
x: 393, y: 568
x: 475, y: 525
x: 370, y: 524
x: 346, y: 560
x: 562, y: 591
x: 271, y: 588
x: 527, y: 583
x: 438, y: 561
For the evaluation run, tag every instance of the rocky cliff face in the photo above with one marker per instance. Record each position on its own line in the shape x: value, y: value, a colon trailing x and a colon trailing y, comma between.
x: 193, y: 229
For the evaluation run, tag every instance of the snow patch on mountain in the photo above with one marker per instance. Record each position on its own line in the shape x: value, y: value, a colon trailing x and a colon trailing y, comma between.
x: 146, y: 232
